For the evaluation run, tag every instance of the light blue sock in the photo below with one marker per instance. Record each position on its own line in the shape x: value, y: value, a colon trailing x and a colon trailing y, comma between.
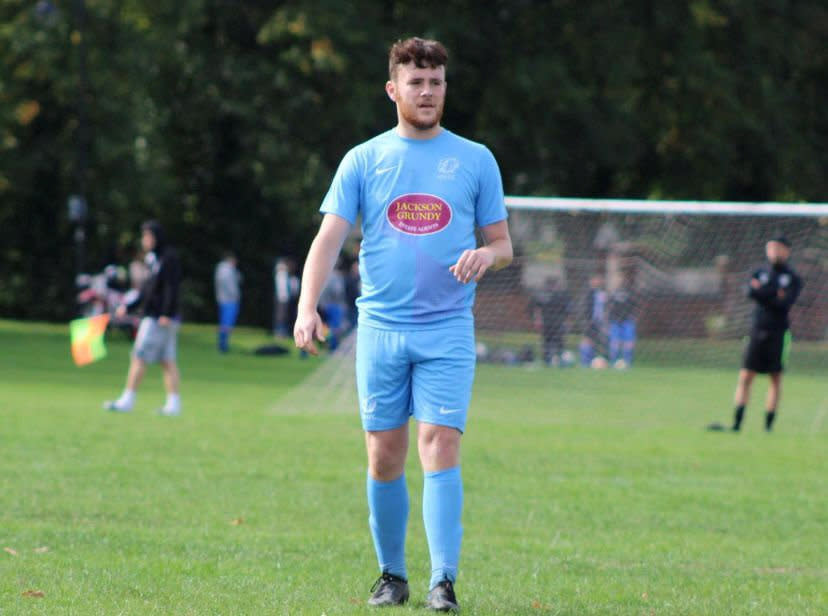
x: 388, y: 507
x: 629, y: 351
x: 442, y: 509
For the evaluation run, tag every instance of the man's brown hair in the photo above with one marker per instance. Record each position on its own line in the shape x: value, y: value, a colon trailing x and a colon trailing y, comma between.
x: 422, y: 52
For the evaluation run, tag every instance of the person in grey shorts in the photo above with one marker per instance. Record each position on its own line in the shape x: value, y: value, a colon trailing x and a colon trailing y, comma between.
x: 156, y: 343
x: 157, y: 336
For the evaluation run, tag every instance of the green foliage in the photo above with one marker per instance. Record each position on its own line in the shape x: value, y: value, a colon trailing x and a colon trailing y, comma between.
x: 226, y: 120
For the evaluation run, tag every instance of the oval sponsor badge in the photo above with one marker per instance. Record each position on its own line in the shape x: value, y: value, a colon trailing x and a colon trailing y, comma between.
x: 418, y: 214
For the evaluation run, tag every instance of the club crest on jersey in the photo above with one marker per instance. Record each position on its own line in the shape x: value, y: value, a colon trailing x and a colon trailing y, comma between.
x: 418, y: 214
x: 447, y: 167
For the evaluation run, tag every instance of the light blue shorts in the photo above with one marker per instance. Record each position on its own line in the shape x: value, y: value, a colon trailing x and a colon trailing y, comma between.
x: 425, y: 373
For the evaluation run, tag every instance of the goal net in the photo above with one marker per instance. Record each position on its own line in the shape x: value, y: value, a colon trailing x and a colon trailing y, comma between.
x: 623, y: 282
x: 672, y: 277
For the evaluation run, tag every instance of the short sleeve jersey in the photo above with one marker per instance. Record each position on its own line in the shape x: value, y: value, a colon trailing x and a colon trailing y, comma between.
x: 419, y: 201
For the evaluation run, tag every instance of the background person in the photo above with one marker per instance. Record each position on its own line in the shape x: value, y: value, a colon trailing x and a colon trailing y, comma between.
x: 774, y: 288
x: 157, y: 337
x: 227, y: 281
x: 285, y: 295
x: 138, y: 270
x: 353, y: 289
x: 551, y: 309
x: 622, y: 326
x: 332, y: 306
x: 594, y: 341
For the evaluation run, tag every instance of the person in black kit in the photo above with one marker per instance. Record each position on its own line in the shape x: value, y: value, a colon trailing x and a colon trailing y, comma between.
x: 774, y: 288
x: 551, y: 308
x: 156, y: 340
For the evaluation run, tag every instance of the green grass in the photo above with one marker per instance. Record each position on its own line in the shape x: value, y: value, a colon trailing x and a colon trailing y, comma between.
x: 586, y: 492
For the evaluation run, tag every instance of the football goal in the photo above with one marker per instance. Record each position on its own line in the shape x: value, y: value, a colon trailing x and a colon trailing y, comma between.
x: 664, y: 281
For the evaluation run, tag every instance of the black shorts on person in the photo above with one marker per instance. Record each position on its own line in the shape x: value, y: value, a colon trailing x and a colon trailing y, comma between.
x: 765, y: 351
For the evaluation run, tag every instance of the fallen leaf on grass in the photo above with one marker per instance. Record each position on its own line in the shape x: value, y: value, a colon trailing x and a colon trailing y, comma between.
x: 33, y: 593
x: 41, y: 550
x: 355, y: 601
x: 11, y: 551
x: 644, y: 596
x: 237, y: 521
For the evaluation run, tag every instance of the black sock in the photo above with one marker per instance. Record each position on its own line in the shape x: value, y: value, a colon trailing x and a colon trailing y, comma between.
x: 737, y: 417
x: 770, y: 415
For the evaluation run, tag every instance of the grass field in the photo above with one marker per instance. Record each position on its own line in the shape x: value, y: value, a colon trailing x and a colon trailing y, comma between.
x: 586, y: 492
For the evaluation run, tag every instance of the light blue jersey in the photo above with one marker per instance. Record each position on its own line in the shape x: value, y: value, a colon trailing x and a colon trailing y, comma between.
x: 420, y: 201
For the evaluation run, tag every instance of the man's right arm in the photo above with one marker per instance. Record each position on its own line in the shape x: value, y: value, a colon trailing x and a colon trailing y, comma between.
x: 320, y: 262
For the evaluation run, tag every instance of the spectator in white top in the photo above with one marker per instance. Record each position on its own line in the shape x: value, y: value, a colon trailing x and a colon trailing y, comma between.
x: 286, y: 292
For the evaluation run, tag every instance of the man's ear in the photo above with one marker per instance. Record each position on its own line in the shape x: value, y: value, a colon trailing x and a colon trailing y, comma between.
x: 391, y: 90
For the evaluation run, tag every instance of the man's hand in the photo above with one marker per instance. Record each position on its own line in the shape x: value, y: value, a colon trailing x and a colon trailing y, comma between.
x: 754, y: 283
x: 308, y: 326
x: 164, y: 321
x: 472, y: 264
x: 120, y: 311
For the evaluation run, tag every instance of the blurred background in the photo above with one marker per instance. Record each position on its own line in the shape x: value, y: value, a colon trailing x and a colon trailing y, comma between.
x: 225, y: 119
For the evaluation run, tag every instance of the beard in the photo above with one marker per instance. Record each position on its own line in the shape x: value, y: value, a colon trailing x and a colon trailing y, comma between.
x: 409, y: 114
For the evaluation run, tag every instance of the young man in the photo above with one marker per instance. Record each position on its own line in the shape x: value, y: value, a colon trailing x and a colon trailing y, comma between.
x: 285, y: 293
x: 421, y: 191
x: 622, y: 329
x: 774, y: 288
x: 593, y: 343
x: 156, y: 340
x: 550, y: 309
x: 228, y: 298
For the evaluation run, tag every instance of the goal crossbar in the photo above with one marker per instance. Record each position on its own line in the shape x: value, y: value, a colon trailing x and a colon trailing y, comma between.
x: 727, y: 208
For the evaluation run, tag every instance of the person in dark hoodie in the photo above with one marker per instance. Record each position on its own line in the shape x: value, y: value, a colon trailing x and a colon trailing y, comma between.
x: 156, y: 340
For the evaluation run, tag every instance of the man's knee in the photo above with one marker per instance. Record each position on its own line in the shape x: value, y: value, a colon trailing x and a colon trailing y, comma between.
x: 439, y: 446
x: 746, y: 376
x: 387, y: 451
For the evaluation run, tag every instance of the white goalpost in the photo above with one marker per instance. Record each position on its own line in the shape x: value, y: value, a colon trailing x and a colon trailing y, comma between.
x: 643, y: 206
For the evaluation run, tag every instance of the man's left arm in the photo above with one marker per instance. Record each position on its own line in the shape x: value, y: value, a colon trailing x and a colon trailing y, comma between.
x: 495, y: 255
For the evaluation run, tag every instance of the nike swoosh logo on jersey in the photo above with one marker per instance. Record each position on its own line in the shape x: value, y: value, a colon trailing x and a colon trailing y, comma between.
x: 381, y: 170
